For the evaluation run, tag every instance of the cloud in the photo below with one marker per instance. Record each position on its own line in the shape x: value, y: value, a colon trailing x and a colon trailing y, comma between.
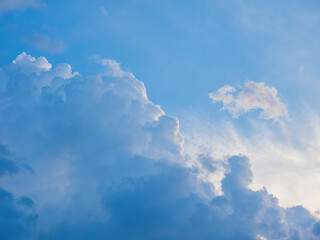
x: 285, y: 157
x: 167, y: 205
x: 7, y: 5
x: 28, y: 64
x: 108, y: 162
x: 252, y: 96
x: 316, y: 229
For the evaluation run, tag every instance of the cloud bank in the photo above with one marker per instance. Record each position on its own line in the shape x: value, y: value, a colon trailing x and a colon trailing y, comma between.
x: 92, y: 158
x: 252, y: 96
x: 285, y: 157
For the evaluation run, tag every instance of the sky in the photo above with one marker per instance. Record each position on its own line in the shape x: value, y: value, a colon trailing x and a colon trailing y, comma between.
x: 174, y: 119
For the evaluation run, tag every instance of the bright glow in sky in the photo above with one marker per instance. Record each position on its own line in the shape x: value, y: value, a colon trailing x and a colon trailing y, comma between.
x: 142, y: 119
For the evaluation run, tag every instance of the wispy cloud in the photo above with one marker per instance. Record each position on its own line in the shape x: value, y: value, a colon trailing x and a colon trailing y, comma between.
x: 285, y: 157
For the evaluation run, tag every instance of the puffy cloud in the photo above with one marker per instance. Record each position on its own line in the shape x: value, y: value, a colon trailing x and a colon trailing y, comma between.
x: 285, y: 157
x: 107, y: 162
x: 169, y: 205
x: 252, y: 96
x: 316, y: 229
x: 28, y: 64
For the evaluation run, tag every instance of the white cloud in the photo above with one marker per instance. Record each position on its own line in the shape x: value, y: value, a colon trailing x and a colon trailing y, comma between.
x: 29, y: 64
x: 113, y: 67
x: 105, y: 161
x: 285, y: 158
x: 46, y: 75
x: 252, y: 96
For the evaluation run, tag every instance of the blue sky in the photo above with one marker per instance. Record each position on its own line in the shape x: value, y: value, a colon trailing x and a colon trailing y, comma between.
x: 159, y: 119
x: 179, y: 49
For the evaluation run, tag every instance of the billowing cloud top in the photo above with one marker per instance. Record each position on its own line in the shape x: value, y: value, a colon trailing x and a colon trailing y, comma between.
x: 93, y: 158
x: 252, y: 96
x: 29, y: 64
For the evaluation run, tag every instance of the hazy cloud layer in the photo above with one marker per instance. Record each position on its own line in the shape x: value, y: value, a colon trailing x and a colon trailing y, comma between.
x: 100, y: 161
x: 251, y: 96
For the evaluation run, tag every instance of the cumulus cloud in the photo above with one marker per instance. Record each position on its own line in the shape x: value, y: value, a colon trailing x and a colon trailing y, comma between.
x: 28, y: 64
x: 107, y: 162
x: 252, y: 96
x: 285, y: 157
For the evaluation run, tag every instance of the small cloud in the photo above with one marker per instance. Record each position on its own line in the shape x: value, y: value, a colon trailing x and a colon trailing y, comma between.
x: 104, y: 11
x: 29, y: 64
x: 254, y: 95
